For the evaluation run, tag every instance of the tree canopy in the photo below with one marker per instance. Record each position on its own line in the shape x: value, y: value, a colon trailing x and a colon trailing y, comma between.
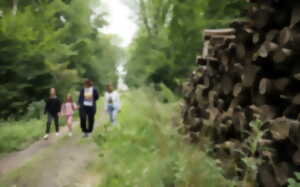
x: 169, y: 37
x: 51, y: 43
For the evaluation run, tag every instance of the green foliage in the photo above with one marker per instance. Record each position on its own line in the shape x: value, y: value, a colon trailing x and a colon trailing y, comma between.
x: 256, y: 136
x: 294, y: 182
x: 48, y: 44
x: 170, y: 37
x: 15, y: 135
x: 252, y: 147
x: 165, y: 94
x: 35, y: 110
x: 146, y: 150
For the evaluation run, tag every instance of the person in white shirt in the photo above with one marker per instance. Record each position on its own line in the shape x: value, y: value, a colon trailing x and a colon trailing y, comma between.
x: 112, y: 103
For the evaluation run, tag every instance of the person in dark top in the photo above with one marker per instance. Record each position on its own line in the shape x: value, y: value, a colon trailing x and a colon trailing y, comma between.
x: 87, y: 107
x: 52, y: 109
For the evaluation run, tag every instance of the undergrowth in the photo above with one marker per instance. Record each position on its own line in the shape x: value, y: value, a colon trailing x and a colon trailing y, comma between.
x: 146, y: 150
x: 15, y: 135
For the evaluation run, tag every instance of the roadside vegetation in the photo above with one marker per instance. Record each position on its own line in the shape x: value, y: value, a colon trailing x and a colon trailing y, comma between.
x: 146, y: 150
x: 15, y: 135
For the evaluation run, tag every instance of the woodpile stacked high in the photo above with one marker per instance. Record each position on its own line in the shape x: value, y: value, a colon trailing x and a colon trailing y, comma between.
x: 245, y: 94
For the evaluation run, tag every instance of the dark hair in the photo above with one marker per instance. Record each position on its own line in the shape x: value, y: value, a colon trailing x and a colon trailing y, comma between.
x: 88, y: 83
x: 109, y: 87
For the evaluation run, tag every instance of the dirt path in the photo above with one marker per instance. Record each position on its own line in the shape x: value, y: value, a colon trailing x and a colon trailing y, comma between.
x: 57, y: 162
x: 18, y: 159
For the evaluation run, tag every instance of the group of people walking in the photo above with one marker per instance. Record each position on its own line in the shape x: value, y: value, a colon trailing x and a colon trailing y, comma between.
x: 87, y: 106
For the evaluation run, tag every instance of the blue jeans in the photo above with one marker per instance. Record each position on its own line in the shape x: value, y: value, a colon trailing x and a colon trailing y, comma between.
x: 112, y: 112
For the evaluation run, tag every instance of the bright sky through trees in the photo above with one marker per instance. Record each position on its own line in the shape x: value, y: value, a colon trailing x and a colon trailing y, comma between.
x: 119, y: 21
x: 120, y: 24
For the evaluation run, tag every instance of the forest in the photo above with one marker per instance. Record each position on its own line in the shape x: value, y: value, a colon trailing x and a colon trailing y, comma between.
x: 212, y: 96
x: 48, y: 44
x: 169, y: 37
x: 41, y: 37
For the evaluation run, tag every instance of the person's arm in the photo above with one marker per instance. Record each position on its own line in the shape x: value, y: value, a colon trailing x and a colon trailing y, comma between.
x: 59, y: 106
x: 96, y: 94
x: 63, y: 109
x: 75, y: 106
x: 80, y: 98
x: 118, y: 101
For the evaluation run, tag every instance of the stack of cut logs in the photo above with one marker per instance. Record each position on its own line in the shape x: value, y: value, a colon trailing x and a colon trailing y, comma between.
x: 250, y: 72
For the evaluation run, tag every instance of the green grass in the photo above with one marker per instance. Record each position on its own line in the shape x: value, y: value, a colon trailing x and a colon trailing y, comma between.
x: 145, y: 150
x: 17, y: 135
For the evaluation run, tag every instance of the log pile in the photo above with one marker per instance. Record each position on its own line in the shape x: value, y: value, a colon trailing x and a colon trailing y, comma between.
x: 245, y: 93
